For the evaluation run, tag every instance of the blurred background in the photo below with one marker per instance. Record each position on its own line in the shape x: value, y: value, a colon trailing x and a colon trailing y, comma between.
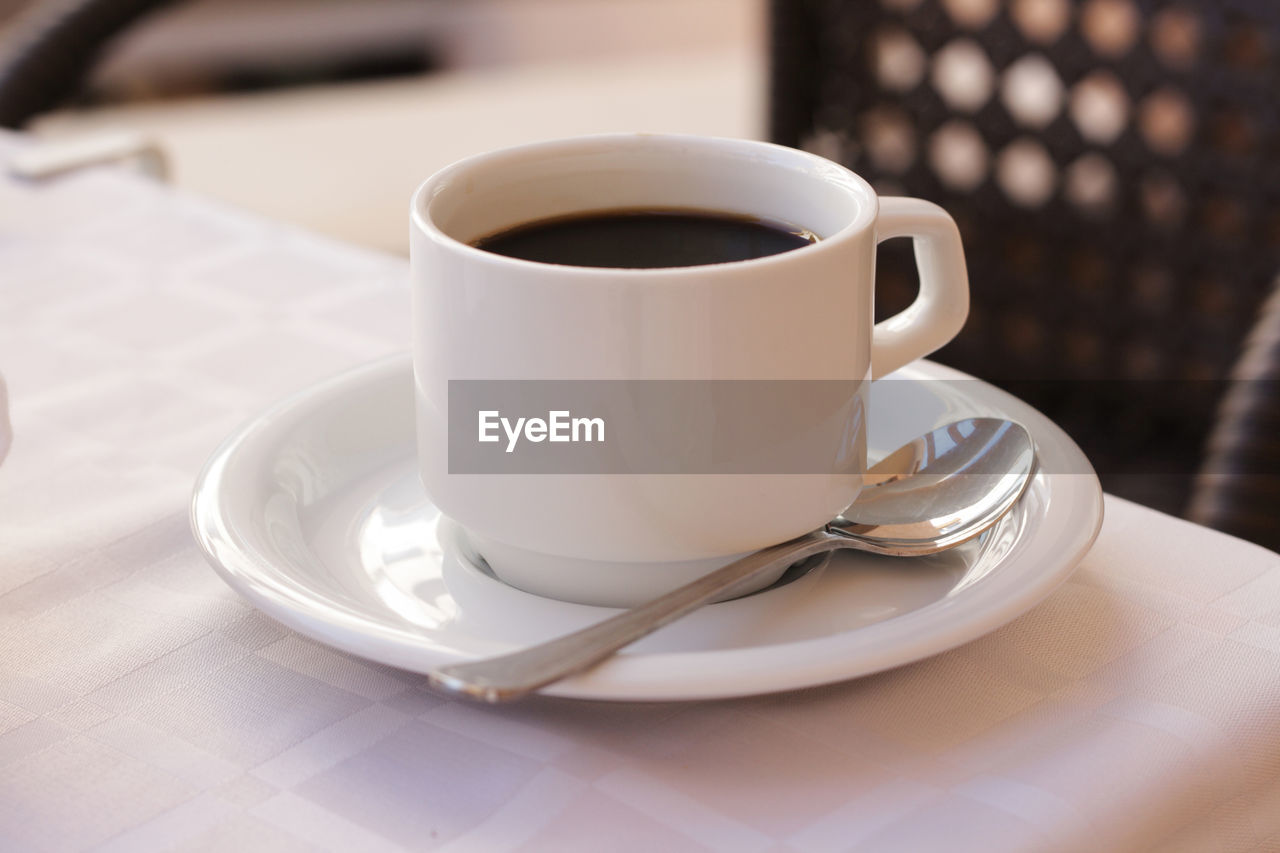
x: 328, y: 113
x: 1113, y: 165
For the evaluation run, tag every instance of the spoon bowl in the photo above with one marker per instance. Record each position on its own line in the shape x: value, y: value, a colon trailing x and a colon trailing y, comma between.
x: 940, y: 489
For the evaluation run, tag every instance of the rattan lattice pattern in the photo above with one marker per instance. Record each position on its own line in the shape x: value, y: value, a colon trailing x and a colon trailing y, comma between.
x: 1114, y: 166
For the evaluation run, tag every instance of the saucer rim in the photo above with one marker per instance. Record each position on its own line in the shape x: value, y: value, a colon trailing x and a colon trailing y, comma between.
x: 666, y: 676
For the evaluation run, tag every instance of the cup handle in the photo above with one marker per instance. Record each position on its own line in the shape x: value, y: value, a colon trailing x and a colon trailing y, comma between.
x: 940, y: 309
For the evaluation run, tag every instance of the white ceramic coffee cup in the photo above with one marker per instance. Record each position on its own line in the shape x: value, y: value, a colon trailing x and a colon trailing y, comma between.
x: 805, y: 314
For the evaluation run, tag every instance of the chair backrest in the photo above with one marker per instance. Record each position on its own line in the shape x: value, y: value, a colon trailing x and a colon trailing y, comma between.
x: 1114, y: 166
x: 49, y: 47
x: 1238, y: 489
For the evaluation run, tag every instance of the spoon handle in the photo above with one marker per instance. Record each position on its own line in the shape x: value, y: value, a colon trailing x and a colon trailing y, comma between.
x: 507, y: 677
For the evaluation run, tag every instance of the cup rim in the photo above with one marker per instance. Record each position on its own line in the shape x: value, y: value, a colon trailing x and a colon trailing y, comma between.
x: 422, y: 196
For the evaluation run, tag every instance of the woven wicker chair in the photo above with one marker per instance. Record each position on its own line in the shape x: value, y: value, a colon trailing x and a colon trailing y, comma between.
x: 1238, y: 489
x: 1114, y: 166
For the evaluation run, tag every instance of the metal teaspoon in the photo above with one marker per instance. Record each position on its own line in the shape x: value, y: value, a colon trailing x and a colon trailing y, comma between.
x: 934, y: 493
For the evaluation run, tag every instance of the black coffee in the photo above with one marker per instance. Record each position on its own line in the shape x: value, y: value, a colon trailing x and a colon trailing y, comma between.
x: 645, y: 239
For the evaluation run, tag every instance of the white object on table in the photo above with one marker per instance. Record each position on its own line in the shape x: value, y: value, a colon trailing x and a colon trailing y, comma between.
x: 52, y: 158
x: 143, y: 705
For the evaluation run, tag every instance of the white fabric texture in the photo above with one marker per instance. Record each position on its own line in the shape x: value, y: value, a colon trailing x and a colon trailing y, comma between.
x: 144, y: 706
x: 6, y: 430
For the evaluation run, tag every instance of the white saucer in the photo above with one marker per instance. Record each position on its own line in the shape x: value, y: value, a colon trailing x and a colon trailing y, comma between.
x: 314, y: 513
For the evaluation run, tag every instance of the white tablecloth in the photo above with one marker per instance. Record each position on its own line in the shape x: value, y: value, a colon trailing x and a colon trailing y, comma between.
x: 144, y: 706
